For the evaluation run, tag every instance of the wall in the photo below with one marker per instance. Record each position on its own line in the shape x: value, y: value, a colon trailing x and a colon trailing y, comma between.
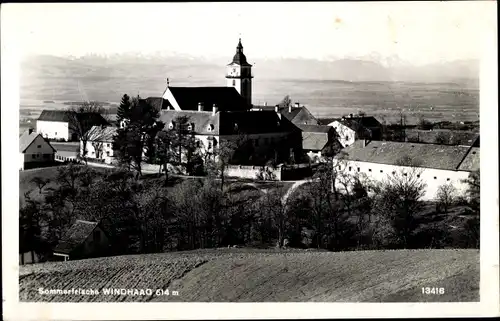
x: 344, y: 131
x: 39, y: 151
x: 251, y: 172
x: 106, y: 150
x: 432, y: 177
x: 52, y: 129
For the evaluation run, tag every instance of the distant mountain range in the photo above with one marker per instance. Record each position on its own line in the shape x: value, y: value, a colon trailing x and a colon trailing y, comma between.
x: 108, y: 77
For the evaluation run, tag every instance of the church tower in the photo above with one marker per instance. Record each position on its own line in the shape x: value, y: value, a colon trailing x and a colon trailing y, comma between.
x: 239, y: 74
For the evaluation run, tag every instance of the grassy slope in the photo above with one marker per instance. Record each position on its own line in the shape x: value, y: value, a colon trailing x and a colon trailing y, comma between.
x: 266, y: 275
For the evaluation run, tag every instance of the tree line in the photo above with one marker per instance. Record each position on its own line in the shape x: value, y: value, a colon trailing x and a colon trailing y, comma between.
x: 147, y: 215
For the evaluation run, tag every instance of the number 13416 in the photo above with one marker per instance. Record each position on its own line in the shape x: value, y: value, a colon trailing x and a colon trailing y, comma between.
x: 428, y: 290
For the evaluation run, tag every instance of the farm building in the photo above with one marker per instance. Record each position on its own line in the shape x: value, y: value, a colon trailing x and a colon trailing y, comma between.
x: 436, y: 164
x: 66, y: 151
x: 34, y: 150
x: 100, y: 144
x: 352, y: 128
x: 58, y: 124
x: 83, y: 240
x: 319, y: 141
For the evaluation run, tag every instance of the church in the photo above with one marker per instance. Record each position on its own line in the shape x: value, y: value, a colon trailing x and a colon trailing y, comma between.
x: 216, y: 114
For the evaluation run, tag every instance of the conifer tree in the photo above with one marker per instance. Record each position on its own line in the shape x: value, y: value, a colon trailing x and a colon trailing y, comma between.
x: 123, y: 111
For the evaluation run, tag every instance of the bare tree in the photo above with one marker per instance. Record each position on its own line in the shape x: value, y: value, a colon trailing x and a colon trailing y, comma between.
x: 81, y: 119
x: 399, y: 199
x: 218, y: 161
x: 40, y: 183
x: 446, y: 195
x: 273, y: 204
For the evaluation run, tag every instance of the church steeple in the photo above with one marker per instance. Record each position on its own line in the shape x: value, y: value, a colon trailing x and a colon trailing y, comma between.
x: 239, y: 58
x: 239, y: 74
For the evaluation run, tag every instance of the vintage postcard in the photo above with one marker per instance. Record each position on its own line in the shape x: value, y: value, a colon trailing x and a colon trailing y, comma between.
x: 311, y: 160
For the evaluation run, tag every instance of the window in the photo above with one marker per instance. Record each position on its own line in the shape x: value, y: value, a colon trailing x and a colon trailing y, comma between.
x: 435, y: 177
x: 108, y: 145
x: 359, y: 169
x: 418, y: 176
x: 346, y: 137
x: 107, y: 153
x: 234, y: 82
x: 33, y: 156
x: 405, y: 174
x: 381, y: 171
x: 447, y: 179
x: 339, y: 167
x: 393, y: 172
x: 55, y: 133
x: 369, y: 169
x: 97, y: 236
x: 39, y: 146
x: 350, y: 168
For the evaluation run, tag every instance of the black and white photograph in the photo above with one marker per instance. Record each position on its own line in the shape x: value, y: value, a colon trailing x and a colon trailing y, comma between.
x: 251, y: 153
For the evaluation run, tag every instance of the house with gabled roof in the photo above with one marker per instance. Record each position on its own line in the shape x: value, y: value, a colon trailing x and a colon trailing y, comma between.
x: 297, y: 114
x: 352, y: 128
x: 319, y: 141
x: 56, y: 124
x: 84, y: 239
x: 437, y: 164
x: 100, y: 144
x: 34, y: 150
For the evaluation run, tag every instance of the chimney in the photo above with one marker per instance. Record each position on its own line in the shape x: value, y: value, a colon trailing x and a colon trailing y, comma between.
x: 290, y: 108
x: 364, y: 142
x: 30, y: 131
x: 276, y: 109
x: 215, y: 110
x: 265, y: 103
x: 350, y: 115
x: 200, y: 106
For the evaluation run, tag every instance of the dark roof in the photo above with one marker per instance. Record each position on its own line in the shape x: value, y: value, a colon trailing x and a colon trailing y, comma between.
x: 158, y: 103
x: 252, y: 122
x: 230, y: 123
x: 314, y: 141
x: 240, y: 58
x: 357, y: 122
x: 54, y: 115
x: 426, y: 155
x: 75, y: 236
x: 225, y: 98
x: 27, y: 138
x: 451, y: 137
x: 64, y: 116
x: 66, y: 147
x: 297, y: 115
x: 201, y: 120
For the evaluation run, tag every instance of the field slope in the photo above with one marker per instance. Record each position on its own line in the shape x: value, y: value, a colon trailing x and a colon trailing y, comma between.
x: 243, y: 275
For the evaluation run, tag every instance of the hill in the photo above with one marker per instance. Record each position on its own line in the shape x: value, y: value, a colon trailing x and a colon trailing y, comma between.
x: 247, y: 275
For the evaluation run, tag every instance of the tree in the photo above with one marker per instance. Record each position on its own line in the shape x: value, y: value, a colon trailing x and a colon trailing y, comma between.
x: 399, y: 200
x: 473, y: 190
x: 424, y: 124
x: 286, y: 101
x: 31, y: 218
x: 135, y: 142
x: 123, y: 111
x: 183, y: 141
x: 274, y: 205
x: 446, y: 195
x: 81, y: 119
x: 40, y: 182
x: 217, y: 162
x: 164, y: 151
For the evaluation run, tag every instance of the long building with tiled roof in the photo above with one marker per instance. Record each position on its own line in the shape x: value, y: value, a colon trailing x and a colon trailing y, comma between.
x: 436, y: 164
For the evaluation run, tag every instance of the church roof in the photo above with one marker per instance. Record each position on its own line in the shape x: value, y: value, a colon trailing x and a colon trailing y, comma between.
x: 240, y: 58
x: 229, y: 123
x: 225, y: 98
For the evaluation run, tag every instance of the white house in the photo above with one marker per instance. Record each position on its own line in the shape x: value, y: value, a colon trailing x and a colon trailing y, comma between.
x: 352, y: 128
x: 57, y: 124
x: 100, y: 144
x: 436, y: 164
x: 34, y: 150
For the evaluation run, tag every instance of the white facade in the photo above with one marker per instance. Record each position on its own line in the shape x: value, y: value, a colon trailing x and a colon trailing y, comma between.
x: 39, y: 151
x: 53, y: 129
x: 433, y: 178
x: 346, y: 135
x: 99, y: 150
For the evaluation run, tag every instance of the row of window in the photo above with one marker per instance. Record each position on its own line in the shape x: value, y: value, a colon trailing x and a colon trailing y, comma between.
x: 393, y: 172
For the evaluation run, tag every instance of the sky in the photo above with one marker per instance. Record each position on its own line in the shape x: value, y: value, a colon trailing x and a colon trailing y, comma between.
x: 415, y: 32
